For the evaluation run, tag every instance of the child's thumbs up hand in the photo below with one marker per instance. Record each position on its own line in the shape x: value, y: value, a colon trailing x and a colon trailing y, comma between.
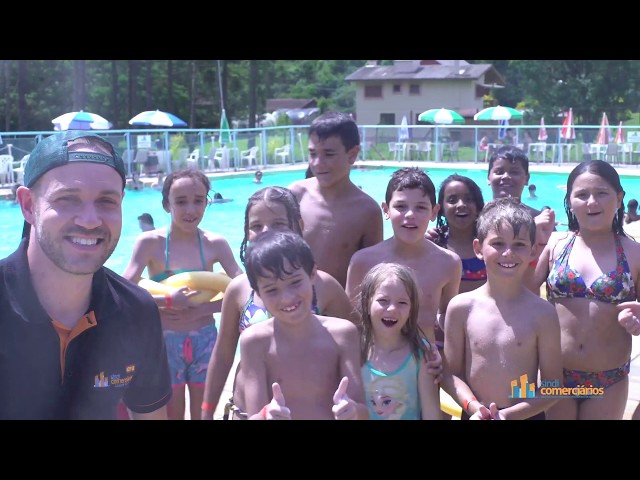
x: 343, y: 407
x: 276, y: 409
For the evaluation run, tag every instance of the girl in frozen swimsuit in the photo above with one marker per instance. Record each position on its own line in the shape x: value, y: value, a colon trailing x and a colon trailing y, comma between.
x: 397, y: 384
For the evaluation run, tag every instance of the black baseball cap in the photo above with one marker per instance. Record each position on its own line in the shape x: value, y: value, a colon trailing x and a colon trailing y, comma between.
x: 52, y: 152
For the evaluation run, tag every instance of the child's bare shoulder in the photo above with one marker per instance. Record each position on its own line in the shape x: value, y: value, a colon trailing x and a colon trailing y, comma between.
x: 364, y: 199
x: 443, y: 257
x: 539, y: 307
x: 151, y: 238
x: 337, y: 325
x: 300, y: 186
x: 258, y: 332
x: 437, y: 250
x: 213, y: 238
x: 466, y: 300
x: 369, y: 254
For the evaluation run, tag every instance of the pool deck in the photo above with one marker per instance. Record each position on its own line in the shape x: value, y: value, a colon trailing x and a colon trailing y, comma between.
x: 632, y: 170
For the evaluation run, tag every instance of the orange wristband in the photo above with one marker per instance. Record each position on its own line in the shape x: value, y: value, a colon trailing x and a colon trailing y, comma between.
x: 263, y: 412
x: 466, y: 403
x: 167, y: 300
x: 207, y: 407
x: 533, y: 263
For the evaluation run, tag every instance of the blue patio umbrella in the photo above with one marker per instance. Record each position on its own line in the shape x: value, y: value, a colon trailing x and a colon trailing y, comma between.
x: 80, y: 121
x: 157, y: 118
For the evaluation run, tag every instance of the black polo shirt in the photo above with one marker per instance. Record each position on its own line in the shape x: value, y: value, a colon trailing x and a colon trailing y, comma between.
x: 119, y: 355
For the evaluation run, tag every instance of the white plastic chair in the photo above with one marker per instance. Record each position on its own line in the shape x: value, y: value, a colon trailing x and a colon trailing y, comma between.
x: 222, y: 156
x: 282, y: 153
x: 626, y: 150
x: 450, y: 151
x: 193, y: 160
x: 249, y: 155
x: 424, y: 148
x: 397, y: 149
x: 6, y: 168
x: 611, y: 153
x: 19, y: 170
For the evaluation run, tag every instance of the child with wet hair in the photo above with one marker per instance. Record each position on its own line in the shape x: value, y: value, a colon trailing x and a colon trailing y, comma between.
x: 296, y: 364
x: 397, y: 383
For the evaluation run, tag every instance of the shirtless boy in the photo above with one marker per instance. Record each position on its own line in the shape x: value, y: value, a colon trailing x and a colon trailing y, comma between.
x: 498, y: 336
x: 410, y: 204
x: 296, y: 365
x: 339, y: 218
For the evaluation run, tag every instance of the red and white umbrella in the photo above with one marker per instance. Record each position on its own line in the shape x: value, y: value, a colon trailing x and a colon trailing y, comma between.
x: 604, y: 132
x: 542, y: 133
x: 568, y: 132
x: 619, y: 134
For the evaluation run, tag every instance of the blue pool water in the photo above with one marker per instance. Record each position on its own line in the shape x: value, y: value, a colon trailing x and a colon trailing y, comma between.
x: 227, y: 219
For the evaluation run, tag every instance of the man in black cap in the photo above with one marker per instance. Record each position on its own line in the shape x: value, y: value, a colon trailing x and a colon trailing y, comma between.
x: 77, y: 338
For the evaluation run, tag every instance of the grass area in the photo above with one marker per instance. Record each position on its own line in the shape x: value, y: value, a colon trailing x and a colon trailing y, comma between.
x: 634, y: 120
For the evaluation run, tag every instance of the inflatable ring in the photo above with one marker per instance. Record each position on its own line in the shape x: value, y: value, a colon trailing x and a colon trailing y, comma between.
x: 155, y: 288
x: 448, y: 405
x: 210, y: 284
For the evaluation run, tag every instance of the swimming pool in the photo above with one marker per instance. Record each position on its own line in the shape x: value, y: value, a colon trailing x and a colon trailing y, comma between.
x: 227, y: 219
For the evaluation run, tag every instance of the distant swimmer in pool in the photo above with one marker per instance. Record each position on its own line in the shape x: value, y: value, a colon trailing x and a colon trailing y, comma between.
x: 217, y: 198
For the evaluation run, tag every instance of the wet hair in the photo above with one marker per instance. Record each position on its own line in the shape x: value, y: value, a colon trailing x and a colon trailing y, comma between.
x: 258, y: 174
x: 512, y: 154
x: 267, y: 254
x: 272, y: 195
x: 147, y: 218
x: 632, y: 204
x: 532, y: 187
x: 602, y: 169
x: 336, y: 123
x: 370, y: 283
x: 217, y: 196
x: 184, y: 173
x: 441, y: 221
x: 501, y: 212
x: 308, y: 173
x: 410, y: 178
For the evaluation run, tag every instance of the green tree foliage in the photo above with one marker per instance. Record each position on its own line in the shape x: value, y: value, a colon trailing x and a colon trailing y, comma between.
x: 550, y: 87
x: 32, y: 92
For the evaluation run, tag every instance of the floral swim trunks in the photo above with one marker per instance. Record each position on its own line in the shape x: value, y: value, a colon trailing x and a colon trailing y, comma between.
x: 575, y: 378
x: 189, y: 354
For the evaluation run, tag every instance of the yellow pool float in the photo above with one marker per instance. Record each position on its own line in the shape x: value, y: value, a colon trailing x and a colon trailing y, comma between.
x: 211, y: 285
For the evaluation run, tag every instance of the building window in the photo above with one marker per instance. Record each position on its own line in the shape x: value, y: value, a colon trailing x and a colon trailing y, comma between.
x: 397, y: 88
x: 414, y: 89
x: 482, y: 91
x: 387, y: 119
x: 373, y: 91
